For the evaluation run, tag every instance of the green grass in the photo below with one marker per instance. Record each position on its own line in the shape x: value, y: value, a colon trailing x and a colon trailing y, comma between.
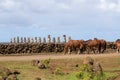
x: 29, y: 72
x: 72, y: 76
x: 61, y: 77
x: 118, y: 60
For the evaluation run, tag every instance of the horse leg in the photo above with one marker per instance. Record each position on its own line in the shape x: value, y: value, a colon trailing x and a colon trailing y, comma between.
x: 69, y: 51
x: 117, y: 50
x: 99, y: 50
x: 93, y: 51
x: 81, y: 51
x: 65, y: 50
x: 78, y: 51
x: 102, y: 50
x: 88, y: 50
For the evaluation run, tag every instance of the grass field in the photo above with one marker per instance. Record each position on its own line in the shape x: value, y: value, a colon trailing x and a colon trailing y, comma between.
x: 111, y: 67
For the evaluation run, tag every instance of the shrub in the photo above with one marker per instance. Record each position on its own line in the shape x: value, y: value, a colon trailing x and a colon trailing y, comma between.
x: 85, y: 73
x: 4, y: 72
x: 12, y: 77
x: 46, y: 62
x: 43, y: 64
x: 58, y: 71
x: 90, y: 71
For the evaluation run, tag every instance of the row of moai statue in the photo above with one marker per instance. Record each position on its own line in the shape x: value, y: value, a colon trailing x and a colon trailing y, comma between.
x: 38, y: 40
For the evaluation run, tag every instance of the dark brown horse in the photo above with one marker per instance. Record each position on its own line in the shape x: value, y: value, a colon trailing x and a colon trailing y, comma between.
x: 76, y: 45
x: 103, y: 45
x: 117, y: 43
x: 93, y: 45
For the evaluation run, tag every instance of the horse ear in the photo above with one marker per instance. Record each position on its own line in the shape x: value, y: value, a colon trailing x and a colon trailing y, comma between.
x: 95, y: 39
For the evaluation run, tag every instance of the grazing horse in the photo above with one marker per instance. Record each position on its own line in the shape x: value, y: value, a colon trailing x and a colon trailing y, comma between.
x: 73, y: 45
x: 117, y: 43
x: 103, y: 45
x: 92, y: 45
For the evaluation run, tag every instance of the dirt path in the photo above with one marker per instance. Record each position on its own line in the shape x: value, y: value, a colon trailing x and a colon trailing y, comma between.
x: 57, y: 56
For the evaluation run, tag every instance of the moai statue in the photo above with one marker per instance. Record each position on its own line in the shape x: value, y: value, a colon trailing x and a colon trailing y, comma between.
x: 32, y: 40
x: 35, y: 39
x: 58, y: 40
x: 11, y: 40
x: 64, y: 38
x: 18, y: 41
x: 14, y: 40
x: 25, y: 40
x: 49, y: 39
x: 28, y: 39
x: 39, y: 39
x: 44, y: 40
x: 54, y: 40
x: 21, y: 40
x: 98, y: 69
x: 69, y: 38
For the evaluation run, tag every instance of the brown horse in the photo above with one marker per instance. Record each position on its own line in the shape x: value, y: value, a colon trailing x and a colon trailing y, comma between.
x: 103, y: 45
x: 93, y: 45
x: 73, y: 45
x: 117, y: 43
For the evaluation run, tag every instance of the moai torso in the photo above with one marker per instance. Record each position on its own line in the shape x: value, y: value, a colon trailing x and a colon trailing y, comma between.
x: 54, y: 40
x: 35, y: 39
x: 29, y: 40
x: 14, y: 40
x: 25, y: 40
x: 69, y: 38
x: 58, y: 40
x: 32, y: 40
x: 17, y: 39
x: 21, y: 39
x: 64, y: 38
x: 39, y: 40
x: 49, y: 39
x: 11, y: 40
x: 44, y: 40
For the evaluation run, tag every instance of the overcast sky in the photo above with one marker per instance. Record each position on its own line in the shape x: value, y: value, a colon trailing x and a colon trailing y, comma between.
x: 80, y: 19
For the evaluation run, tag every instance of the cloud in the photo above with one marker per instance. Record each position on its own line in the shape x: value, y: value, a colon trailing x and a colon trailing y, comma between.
x: 110, y: 5
x: 60, y: 13
x: 9, y: 5
x: 36, y: 26
x: 79, y: 17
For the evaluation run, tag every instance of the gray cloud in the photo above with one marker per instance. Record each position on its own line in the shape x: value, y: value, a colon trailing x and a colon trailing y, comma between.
x: 85, y: 18
x: 52, y: 13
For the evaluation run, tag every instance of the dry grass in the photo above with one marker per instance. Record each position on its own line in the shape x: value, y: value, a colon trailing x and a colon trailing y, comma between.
x: 67, y: 66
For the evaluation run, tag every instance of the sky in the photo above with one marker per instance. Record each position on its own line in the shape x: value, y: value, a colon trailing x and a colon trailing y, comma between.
x: 80, y: 19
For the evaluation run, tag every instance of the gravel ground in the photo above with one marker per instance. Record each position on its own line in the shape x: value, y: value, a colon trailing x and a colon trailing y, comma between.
x: 54, y: 56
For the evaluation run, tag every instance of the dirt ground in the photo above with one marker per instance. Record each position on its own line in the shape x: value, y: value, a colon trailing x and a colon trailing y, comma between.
x: 107, y: 59
x: 54, y: 56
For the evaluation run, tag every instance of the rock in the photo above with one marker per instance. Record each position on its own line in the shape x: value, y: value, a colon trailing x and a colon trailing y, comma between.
x: 41, y: 66
x: 35, y: 62
x: 88, y: 61
x: 1, y: 78
x: 4, y: 72
x: 15, y: 72
x: 37, y: 78
x: 76, y: 65
x: 98, y: 69
x: 12, y: 77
